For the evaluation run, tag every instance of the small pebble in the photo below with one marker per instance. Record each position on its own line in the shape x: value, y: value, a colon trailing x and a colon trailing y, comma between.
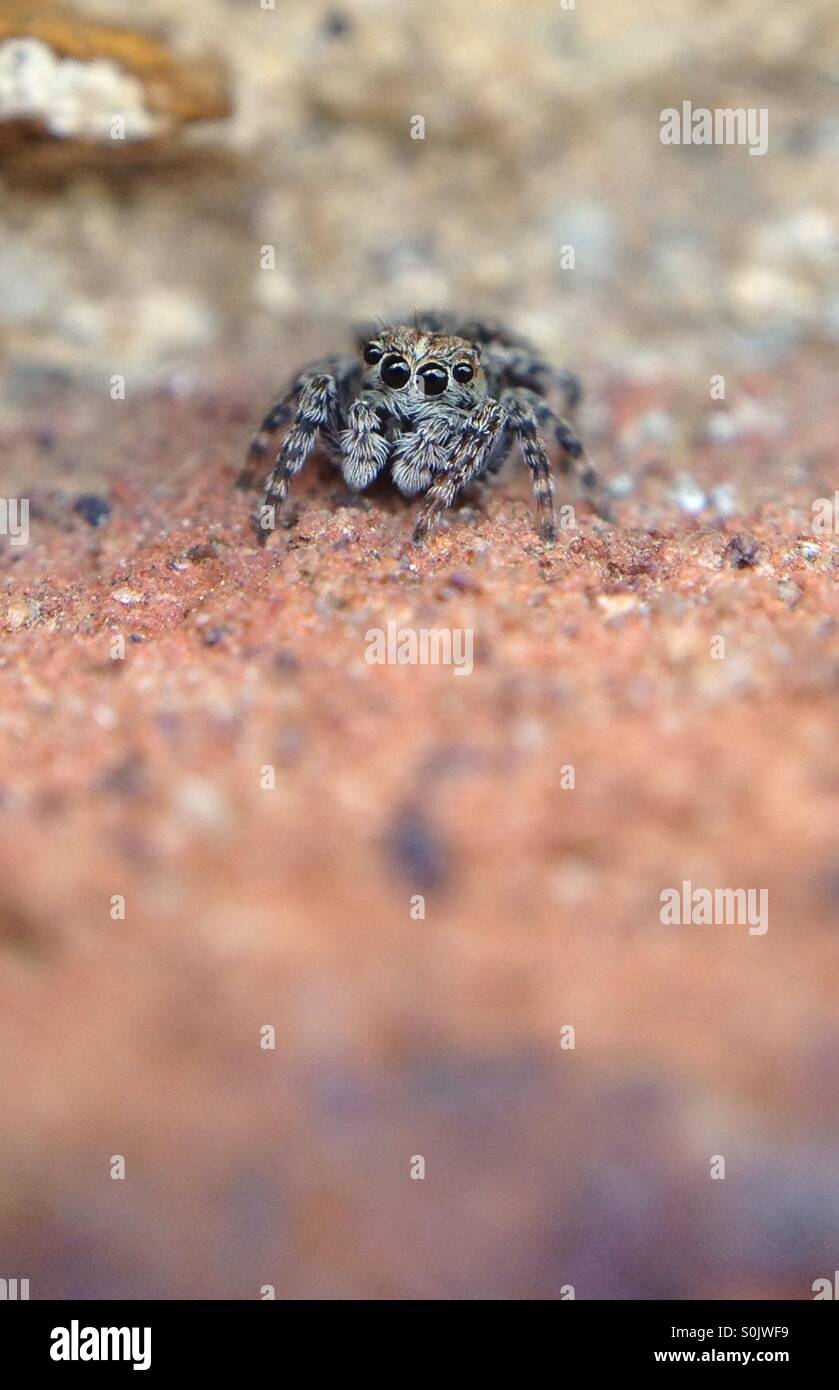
x: 416, y: 848
x: 741, y: 552
x: 22, y: 613
x: 617, y: 605
x: 789, y: 592
x: 463, y: 580
x: 721, y: 427
x: 122, y: 779
x: 653, y: 427
x: 336, y: 24
x: 656, y: 426
x: 95, y: 510
x: 199, y: 802
x: 724, y: 499
x: 286, y: 661
x: 622, y: 485
x: 688, y: 496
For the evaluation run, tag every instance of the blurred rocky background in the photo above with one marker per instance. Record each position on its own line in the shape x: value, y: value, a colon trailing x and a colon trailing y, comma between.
x: 290, y: 127
x: 154, y: 662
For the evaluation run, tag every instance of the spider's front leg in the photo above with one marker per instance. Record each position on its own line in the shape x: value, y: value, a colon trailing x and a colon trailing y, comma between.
x: 479, y: 434
x: 316, y: 413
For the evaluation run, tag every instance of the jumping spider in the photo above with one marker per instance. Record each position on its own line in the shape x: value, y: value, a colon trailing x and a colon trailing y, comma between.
x: 440, y: 402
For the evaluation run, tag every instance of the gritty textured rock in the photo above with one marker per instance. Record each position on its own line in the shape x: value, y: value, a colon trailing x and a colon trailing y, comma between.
x: 68, y: 76
x: 310, y: 204
x: 269, y: 805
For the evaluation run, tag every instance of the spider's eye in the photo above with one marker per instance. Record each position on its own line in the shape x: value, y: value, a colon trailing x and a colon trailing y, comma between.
x: 372, y: 353
x: 435, y: 379
x: 463, y: 372
x: 395, y: 372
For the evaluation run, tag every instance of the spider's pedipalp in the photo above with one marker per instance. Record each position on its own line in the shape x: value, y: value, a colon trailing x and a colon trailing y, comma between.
x: 418, y: 456
x: 363, y: 448
x: 469, y: 457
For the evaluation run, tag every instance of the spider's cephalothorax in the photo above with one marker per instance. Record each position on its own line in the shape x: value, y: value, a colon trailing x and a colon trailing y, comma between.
x: 440, y: 403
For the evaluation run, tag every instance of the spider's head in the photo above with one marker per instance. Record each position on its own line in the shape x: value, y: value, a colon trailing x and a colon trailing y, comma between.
x: 417, y: 372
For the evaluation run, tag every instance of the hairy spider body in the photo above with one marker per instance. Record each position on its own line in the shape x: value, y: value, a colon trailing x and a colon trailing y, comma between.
x: 441, y: 403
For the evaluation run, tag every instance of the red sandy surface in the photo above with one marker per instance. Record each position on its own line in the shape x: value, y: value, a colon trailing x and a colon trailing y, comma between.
x: 545, y: 1166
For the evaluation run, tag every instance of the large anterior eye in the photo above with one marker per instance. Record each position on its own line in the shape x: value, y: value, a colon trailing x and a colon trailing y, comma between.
x: 435, y: 379
x: 463, y: 372
x: 373, y: 353
x: 395, y: 372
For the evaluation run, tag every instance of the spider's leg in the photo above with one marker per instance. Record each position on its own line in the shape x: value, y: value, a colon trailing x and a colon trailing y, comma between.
x: 522, y: 420
x: 279, y: 415
x: 479, y: 434
x: 570, y: 386
x: 316, y: 412
x: 572, y: 454
x: 500, y: 451
x: 363, y: 446
x: 347, y: 373
x: 512, y: 364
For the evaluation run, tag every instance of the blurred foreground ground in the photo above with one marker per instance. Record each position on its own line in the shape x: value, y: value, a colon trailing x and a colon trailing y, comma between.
x: 291, y: 907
